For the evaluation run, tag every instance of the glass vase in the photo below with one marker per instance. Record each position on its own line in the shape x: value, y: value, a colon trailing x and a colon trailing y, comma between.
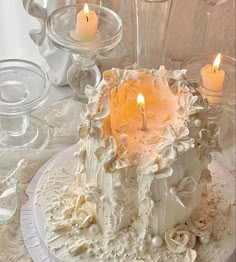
x: 152, y: 17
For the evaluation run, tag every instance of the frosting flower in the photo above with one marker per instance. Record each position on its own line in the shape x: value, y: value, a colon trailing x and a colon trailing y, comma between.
x: 209, y: 138
x: 179, y: 239
x: 83, y: 216
x: 159, y: 167
x: 204, y: 154
x: 111, y: 156
x: 199, y: 225
x: 91, y: 120
x: 78, y: 210
x: 115, y: 77
x: 188, y: 106
x: 175, y: 141
x: 182, y: 192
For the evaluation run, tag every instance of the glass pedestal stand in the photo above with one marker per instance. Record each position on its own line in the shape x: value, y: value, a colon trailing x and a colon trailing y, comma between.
x: 222, y: 103
x: 60, y: 27
x: 24, y: 87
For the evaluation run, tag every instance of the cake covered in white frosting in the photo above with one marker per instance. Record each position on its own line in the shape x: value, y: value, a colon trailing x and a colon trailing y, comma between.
x: 141, y: 170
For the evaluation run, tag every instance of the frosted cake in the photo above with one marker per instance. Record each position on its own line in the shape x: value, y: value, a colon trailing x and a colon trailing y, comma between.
x: 139, y: 188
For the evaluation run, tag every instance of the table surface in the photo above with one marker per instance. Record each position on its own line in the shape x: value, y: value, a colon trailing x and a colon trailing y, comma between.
x: 15, y: 43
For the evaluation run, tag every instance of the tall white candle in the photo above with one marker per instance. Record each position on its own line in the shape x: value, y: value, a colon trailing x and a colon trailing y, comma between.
x: 212, y: 77
x: 86, y: 25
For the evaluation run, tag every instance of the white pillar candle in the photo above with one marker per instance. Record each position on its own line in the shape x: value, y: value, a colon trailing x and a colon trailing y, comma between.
x: 86, y: 25
x: 212, y: 77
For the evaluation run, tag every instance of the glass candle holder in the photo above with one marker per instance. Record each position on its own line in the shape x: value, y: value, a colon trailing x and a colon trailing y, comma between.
x: 222, y: 103
x: 228, y: 64
x: 24, y: 88
x: 84, y: 71
x: 152, y: 17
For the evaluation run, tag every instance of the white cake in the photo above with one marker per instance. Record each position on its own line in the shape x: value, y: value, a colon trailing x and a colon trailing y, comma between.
x: 134, y: 195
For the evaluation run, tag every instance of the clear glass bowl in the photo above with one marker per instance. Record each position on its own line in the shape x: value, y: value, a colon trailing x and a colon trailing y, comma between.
x: 62, y: 22
x: 24, y: 88
x: 60, y: 27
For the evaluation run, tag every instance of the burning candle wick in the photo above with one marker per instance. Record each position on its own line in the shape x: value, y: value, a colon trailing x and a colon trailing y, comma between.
x: 141, y: 103
x: 144, y: 120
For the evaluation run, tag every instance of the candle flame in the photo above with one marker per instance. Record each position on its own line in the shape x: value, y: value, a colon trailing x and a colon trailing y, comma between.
x: 216, y: 63
x: 140, y: 100
x: 86, y: 9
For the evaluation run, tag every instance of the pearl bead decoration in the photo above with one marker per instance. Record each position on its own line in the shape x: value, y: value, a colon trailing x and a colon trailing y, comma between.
x: 173, y: 190
x: 76, y: 154
x: 157, y: 241
x: 142, y: 249
x: 94, y: 229
x: 204, y: 239
x: 65, y: 189
x: 198, y: 123
x: 90, y: 252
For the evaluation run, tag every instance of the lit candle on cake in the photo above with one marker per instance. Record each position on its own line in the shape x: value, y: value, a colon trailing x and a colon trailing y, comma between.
x: 86, y: 25
x: 212, y: 77
x: 141, y: 103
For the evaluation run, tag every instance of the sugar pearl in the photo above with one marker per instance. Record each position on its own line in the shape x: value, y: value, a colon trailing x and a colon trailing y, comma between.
x: 111, y: 153
x: 65, y: 189
x: 198, y: 123
x: 76, y: 154
x: 157, y: 241
x: 204, y: 239
x: 173, y: 190
x: 94, y: 229
x: 90, y: 252
x: 103, y: 198
x: 142, y: 249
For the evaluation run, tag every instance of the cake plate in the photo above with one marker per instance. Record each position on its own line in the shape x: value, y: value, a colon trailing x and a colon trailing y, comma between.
x: 32, y: 218
x: 61, y: 25
x: 24, y: 87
